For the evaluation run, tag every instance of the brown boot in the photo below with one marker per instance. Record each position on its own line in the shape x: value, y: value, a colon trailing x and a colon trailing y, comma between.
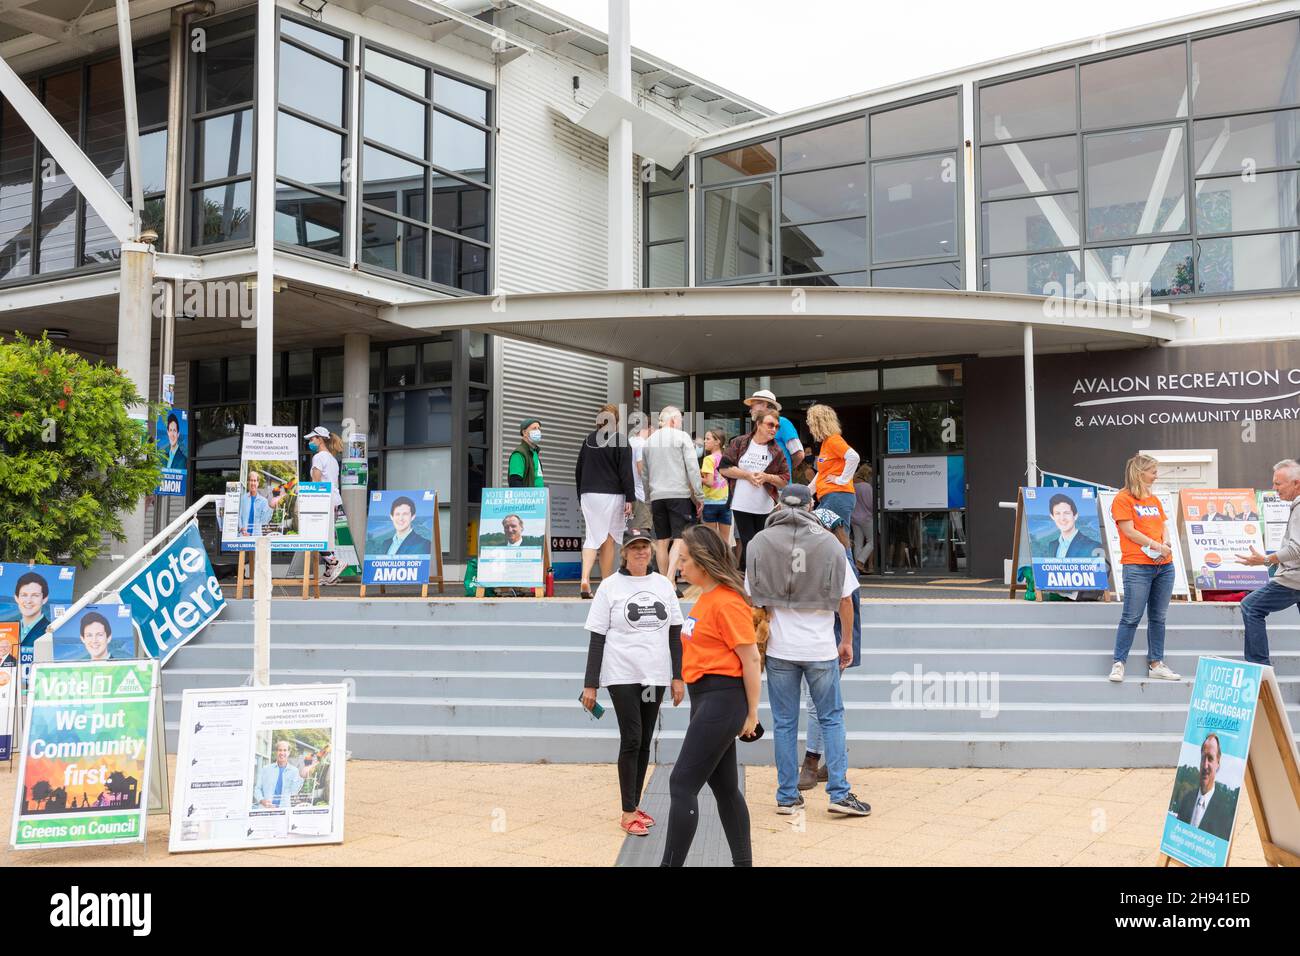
x: 808, y: 772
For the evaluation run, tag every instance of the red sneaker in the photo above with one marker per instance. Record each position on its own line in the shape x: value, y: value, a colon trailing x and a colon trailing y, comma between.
x: 634, y: 827
x: 644, y: 817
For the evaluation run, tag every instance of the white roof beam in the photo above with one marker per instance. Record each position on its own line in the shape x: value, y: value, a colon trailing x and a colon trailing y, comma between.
x: 50, y: 27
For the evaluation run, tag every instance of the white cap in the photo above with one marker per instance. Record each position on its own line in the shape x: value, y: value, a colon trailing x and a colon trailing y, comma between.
x: 763, y: 395
x: 319, y: 431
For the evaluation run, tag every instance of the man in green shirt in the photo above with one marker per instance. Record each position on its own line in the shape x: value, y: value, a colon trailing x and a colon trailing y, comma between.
x: 525, y: 469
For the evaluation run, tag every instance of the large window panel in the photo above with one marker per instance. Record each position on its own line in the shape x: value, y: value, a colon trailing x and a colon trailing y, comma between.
x: 738, y: 231
x: 392, y: 183
x: 667, y: 216
x: 419, y: 417
x: 666, y: 264
x: 1032, y: 106
x: 394, y: 120
x: 917, y: 128
x: 825, y: 146
x: 914, y: 209
x: 325, y: 42
x: 1270, y: 53
x: 305, y: 219
x: 1136, y: 88
x: 939, y: 275
x: 311, y: 85
x: 414, y: 79
x: 1236, y: 144
x: 1052, y: 273
x: 459, y: 147
x: 224, y: 146
x: 754, y: 160
x: 459, y: 207
x: 59, y: 198
x: 1030, y: 225
x: 153, y: 161
x: 1238, y: 204
x: 16, y: 188
x: 1246, y: 263
x: 824, y: 247
x: 105, y: 146
x: 467, y: 100
x: 825, y: 194
x: 459, y: 264
x: 1156, y: 269
x: 1043, y: 165
x: 309, y: 153
x: 227, y: 73
x: 1136, y: 183
x: 393, y: 245
x: 222, y: 213
x: 420, y: 468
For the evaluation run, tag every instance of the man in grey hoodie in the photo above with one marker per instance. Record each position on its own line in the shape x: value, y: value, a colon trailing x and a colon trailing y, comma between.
x: 672, y: 486
x: 1283, y: 589
x: 801, y: 574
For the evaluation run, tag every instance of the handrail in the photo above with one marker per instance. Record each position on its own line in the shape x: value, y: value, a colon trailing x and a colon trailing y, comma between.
x: 106, y: 585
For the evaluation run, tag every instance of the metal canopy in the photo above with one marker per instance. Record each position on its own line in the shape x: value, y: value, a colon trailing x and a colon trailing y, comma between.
x: 720, y: 328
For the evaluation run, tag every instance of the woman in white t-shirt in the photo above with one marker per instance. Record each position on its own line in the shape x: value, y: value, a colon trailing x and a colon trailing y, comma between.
x: 758, y: 469
x: 635, y: 653
x: 325, y: 447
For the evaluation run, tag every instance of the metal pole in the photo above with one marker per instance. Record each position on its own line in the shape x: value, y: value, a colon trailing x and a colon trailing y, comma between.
x: 264, y: 242
x: 1031, y: 430
x: 620, y: 149
x: 127, y: 55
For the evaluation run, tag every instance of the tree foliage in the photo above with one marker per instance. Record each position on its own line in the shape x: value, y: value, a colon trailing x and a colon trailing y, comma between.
x: 73, y: 461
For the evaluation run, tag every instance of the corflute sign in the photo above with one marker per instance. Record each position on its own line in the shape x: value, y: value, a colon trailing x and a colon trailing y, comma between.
x: 175, y: 596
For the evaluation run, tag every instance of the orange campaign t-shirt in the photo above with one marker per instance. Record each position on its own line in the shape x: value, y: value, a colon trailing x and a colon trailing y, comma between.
x: 1148, y: 518
x: 720, y: 621
x: 830, y: 462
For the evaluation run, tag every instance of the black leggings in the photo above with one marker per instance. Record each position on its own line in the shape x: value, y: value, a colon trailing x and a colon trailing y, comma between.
x: 718, y: 710
x: 747, y: 526
x: 636, y: 708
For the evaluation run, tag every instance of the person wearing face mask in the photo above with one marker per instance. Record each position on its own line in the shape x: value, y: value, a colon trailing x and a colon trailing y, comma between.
x: 525, y: 468
x: 325, y: 447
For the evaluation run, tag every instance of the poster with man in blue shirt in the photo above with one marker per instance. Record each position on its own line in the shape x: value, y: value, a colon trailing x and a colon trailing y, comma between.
x: 1065, y: 539
x: 33, y: 595
x: 399, y: 537
x: 172, y: 438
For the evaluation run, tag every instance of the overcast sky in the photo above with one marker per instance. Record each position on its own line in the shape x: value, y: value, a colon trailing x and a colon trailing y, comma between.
x: 796, y: 53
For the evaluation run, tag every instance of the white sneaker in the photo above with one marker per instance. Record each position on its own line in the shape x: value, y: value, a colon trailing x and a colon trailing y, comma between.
x: 331, y: 572
x: 1117, y: 672
x: 1161, y: 672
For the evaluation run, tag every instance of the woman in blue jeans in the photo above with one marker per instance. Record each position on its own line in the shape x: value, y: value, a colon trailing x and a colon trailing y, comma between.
x: 1148, y: 567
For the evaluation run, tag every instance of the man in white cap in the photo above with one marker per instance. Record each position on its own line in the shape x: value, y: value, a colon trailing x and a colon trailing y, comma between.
x: 787, y: 438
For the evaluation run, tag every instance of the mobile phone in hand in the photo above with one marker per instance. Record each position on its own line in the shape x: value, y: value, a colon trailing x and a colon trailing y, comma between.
x: 596, y: 710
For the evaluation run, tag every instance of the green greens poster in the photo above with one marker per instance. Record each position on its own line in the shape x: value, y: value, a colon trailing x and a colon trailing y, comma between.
x: 83, y: 778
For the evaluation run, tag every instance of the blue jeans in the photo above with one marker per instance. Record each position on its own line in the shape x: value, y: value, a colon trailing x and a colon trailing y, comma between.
x: 1146, y: 587
x: 814, y: 729
x: 1259, y: 605
x: 784, y: 679
x: 841, y: 502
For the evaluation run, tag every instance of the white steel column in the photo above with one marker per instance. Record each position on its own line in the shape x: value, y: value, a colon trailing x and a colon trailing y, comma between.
x: 127, y: 56
x: 264, y: 244
x: 620, y: 149
x: 356, y: 409
x: 1031, y: 428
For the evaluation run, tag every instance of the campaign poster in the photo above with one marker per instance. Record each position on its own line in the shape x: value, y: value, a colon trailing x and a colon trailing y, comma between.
x: 899, y: 436
x: 8, y: 687
x: 567, y: 533
x: 1222, y: 523
x: 1168, y: 501
x: 355, y: 470
x: 513, y: 526
x: 1276, y: 515
x: 33, y: 595
x: 260, y: 766
x: 96, y: 633
x: 1065, y: 539
x: 399, y: 537
x: 173, y: 444
x: 84, y: 773
x: 1212, y: 762
x: 924, y: 483
x: 266, y: 500
x: 175, y: 596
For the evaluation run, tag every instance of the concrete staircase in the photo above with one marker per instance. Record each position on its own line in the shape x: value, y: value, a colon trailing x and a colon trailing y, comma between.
x: 944, y: 683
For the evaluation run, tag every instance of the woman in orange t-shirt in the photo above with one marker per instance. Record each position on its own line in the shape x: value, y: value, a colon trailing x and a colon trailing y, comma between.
x: 836, y: 463
x: 720, y: 665
x: 1148, y: 567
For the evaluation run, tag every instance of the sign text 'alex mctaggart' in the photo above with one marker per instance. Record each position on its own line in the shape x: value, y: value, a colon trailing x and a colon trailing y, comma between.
x: 175, y: 596
x: 86, y: 755
x: 260, y: 766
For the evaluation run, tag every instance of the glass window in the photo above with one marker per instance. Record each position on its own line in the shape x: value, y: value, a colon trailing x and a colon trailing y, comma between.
x: 1052, y: 273
x: 462, y: 265
x: 1137, y: 183
x: 412, y: 78
x: 224, y: 146
x: 464, y: 99
x: 1043, y: 165
x: 59, y: 199
x: 239, y: 377
x: 207, y: 380
x: 721, y: 389
x: 667, y: 219
x: 476, y: 412
x: 419, y: 418
x: 939, y: 275
x: 299, y: 381
x: 1032, y: 106
x: 153, y: 161
x: 221, y: 213
x: 752, y: 160
x: 309, y: 153
x: 16, y: 188
x: 1248, y: 262
x: 1133, y: 272
x: 1028, y: 225
x: 1237, y: 144
x: 738, y: 231
x: 1271, y: 53
x: 394, y: 120
x: 1136, y: 88
x: 311, y: 85
x: 913, y: 129
x: 325, y: 42
x: 844, y: 280
x: 659, y: 395
x: 459, y: 147
x: 217, y: 429
x: 824, y: 247
x: 331, y: 373
x: 477, y: 475
x: 929, y: 419
x: 477, y: 356
x: 392, y: 245
x: 420, y: 468
x: 436, y: 361
x: 105, y: 145
x: 152, y: 81
x: 825, y: 194
x: 305, y: 219
x: 666, y: 265
x: 459, y: 208
x: 401, y: 366
x: 392, y: 183
x: 914, y: 209
x: 826, y: 145
x: 227, y: 74
x: 1235, y: 204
